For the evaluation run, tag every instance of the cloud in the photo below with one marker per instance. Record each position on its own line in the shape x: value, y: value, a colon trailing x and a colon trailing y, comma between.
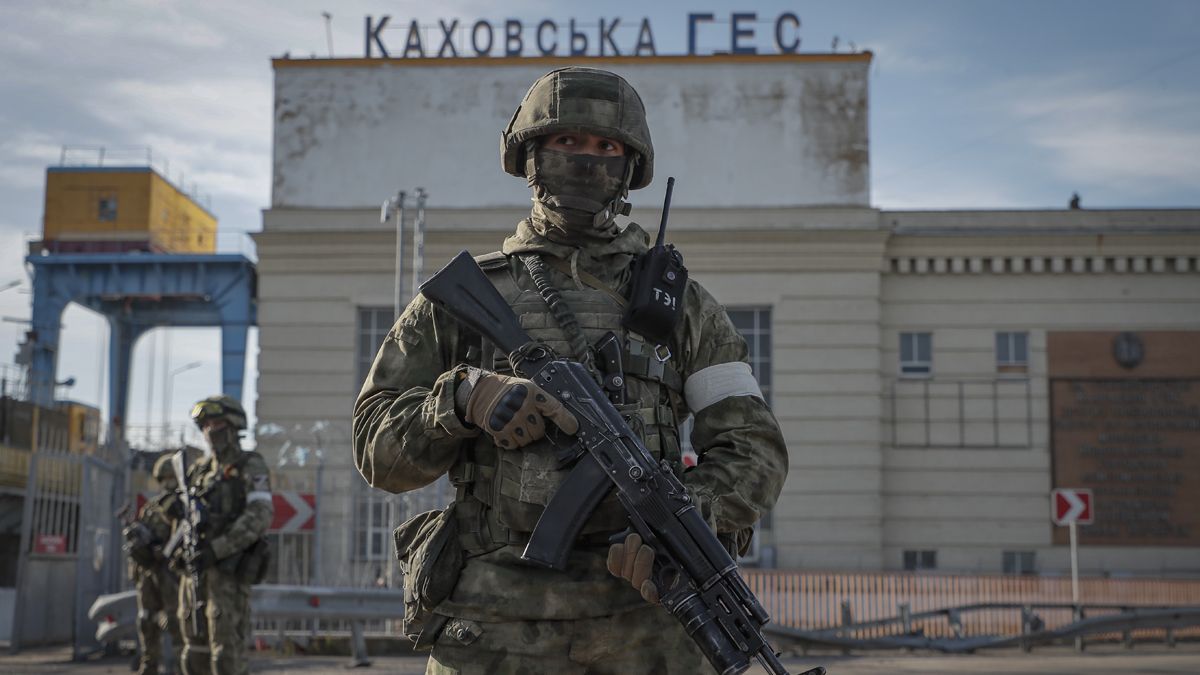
x: 1118, y: 139
x: 908, y: 57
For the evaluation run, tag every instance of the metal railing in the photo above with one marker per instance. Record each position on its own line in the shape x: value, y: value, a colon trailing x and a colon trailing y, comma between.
x: 116, y: 614
x: 131, y: 155
x: 960, y: 413
x: 901, y: 631
x: 823, y: 601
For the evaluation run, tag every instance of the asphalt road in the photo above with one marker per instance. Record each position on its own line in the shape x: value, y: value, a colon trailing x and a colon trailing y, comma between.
x: 1147, y: 659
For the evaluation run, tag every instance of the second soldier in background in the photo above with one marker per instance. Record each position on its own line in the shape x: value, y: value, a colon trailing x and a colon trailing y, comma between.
x: 156, y: 584
x: 231, y: 511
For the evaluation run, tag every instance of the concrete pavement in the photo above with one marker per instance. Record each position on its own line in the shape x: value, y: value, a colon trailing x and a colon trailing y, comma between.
x: 1148, y: 659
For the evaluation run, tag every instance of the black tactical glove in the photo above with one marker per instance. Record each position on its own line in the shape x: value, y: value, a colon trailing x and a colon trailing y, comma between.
x: 634, y: 561
x: 512, y: 410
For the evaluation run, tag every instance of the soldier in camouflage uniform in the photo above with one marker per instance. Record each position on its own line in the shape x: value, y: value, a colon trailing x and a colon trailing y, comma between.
x: 157, y: 585
x: 233, y: 489
x: 439, y: 400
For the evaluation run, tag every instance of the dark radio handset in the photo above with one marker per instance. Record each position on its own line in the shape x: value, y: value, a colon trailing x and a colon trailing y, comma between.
x: 659, y: 279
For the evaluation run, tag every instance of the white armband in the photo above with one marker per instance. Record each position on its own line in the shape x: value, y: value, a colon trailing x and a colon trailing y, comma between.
x: 715, y: 383
x: 258, y: 496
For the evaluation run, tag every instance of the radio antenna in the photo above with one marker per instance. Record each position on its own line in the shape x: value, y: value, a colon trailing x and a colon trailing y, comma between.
x: 662, y: 227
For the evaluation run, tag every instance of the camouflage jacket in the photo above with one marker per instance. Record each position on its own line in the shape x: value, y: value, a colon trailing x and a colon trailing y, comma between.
x: 407, y: 434
x: 156, y: 516
x: 237, y: 499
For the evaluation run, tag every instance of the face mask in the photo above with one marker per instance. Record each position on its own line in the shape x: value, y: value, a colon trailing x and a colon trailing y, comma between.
x: 573, y: 195
x: 223, y: 441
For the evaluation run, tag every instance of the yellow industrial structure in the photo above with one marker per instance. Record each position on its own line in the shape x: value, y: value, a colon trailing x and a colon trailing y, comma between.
x: 91, y: 209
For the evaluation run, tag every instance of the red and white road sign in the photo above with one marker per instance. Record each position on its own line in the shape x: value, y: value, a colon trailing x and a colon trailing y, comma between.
x: 52, y: 544
x: 294, y: 511
x: 1071, y: 505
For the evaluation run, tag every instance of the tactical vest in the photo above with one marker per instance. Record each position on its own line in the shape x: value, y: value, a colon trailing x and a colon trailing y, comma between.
x: 502, y: 492
x: 223, y: 494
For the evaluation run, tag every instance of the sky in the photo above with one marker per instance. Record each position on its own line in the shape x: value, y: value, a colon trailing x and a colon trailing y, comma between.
x: 1004, y: 104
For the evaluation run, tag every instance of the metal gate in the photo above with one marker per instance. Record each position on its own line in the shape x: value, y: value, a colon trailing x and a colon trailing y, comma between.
x: 70, y: 548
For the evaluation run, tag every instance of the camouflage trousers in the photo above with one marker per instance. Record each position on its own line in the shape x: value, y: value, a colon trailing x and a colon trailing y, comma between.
x: 217, y: 644
x: 646, y: 641
x: 157, y: 598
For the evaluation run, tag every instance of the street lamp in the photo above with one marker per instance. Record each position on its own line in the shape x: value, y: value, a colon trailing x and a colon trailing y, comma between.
x: 170, y: 390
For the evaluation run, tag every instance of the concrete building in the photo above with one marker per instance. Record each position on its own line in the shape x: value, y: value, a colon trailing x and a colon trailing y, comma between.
x: 910, y: 356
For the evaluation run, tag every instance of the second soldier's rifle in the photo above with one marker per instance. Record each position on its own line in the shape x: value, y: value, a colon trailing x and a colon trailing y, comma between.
x: 187, y: 536
x: 697, y: 579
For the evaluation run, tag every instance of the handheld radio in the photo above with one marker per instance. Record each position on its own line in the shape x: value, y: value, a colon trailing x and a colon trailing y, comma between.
x: 659, y: 279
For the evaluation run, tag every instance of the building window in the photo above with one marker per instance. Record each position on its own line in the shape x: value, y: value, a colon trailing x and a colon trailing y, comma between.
x: 373, y: 326
x: 754, y: 324
x: 920, y: 560
x: 1018, y: 562
x: 107, y: 209
x: 1012, y: 352
x: 370, y: 527
x: 916, y: 353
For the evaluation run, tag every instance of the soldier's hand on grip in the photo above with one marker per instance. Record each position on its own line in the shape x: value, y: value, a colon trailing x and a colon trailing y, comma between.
x: 513, y: 410
x: 634, y: 561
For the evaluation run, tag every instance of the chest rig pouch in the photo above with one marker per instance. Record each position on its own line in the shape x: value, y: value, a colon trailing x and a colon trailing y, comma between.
x: 431, y: 559
x: 512, y: 487
x: 223, y: 494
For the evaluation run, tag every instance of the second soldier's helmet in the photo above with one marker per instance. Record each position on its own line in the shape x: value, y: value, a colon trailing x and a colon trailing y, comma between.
x: 582, y: 100
x: 163, y: 469
x: 219, y: 406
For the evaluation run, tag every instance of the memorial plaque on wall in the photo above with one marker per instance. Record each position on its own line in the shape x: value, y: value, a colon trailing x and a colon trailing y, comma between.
x: 1125, y: 422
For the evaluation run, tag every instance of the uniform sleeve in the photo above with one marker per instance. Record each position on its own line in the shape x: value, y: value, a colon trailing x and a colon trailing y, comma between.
x: 154, y: 515
x: 406, y: 432
x: 256, y: 518
x: 742, y: 457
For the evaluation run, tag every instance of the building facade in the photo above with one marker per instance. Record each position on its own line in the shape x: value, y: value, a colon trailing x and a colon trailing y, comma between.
x: 912, y: 358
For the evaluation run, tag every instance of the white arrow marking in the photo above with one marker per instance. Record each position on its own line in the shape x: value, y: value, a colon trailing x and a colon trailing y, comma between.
x: 1075, y: 507
x: 302, y: 508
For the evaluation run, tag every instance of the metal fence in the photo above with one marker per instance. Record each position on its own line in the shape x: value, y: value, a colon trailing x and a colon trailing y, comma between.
x: 350, y: 543
x: 817, y: 601
x: 69, y: 550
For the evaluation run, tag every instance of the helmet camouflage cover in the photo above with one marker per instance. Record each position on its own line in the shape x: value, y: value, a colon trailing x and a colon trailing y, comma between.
x: 585, y: 100
x: 220, y: 406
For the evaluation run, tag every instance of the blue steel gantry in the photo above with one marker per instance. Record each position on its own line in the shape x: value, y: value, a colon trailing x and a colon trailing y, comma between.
x: 137, y: 292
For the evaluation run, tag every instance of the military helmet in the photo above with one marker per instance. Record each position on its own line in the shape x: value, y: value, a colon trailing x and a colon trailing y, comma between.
x: 582, y: 100
x: 220, y: 406
x: 163, y: 469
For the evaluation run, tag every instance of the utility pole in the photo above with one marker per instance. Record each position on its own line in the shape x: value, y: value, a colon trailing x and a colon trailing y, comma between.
x: 419, y: 240
x: 396, y: 207
x: 328, y: 31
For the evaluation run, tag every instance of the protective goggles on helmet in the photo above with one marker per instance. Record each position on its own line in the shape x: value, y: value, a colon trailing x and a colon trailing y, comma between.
x: 206, y: 409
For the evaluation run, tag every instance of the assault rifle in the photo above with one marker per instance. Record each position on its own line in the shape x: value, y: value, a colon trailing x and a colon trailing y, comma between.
x: 697, y: 579
x: 187, y: 535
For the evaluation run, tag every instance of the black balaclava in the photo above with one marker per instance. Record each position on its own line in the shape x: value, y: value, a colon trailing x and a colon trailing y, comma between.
x: 224, y: 443
x: 577, y: 198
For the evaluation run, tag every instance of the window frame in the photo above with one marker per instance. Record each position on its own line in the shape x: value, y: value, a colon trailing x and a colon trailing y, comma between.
x: 760, y: 339
x: 919, y: 560
x: 366, y: 525
x: 1006, y: 342
x: 915, y: 367
x: 373, y: 322
x: 1014, y: 563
